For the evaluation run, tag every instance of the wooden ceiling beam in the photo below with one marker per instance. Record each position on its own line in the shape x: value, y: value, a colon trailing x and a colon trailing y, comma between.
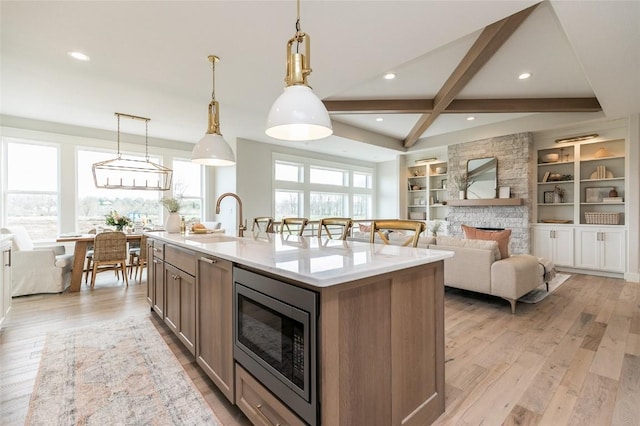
x: 489, y: 41
x: 461, y: 106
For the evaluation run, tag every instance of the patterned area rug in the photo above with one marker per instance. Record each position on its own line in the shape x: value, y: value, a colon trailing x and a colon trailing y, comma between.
x: 538, y: 294
x: 114, y: 373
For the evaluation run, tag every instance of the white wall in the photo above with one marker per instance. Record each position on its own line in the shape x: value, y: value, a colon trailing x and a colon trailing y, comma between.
x: 388, y: 184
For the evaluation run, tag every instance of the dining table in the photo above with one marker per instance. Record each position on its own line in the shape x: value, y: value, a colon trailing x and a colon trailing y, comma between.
x: 82, y: 242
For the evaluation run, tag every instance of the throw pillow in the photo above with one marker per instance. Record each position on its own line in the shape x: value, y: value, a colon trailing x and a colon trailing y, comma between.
x: 364, y: 228
x: 502, y: 237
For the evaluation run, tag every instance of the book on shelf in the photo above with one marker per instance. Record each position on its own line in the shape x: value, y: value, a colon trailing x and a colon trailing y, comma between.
x: 612, y: 200
x: 546, y: 176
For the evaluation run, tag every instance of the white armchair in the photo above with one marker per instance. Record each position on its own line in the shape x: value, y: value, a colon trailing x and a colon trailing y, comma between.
x: 37, y: 269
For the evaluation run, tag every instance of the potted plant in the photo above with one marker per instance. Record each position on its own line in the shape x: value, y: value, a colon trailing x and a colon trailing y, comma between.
x: 173, y: 205
x: 463, y: 183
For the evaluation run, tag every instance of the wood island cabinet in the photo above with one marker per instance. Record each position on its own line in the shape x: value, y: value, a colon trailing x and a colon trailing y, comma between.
x: 155, y: 277
x: 180, y: 286
x: 380, y: 339
x: 214, y: 321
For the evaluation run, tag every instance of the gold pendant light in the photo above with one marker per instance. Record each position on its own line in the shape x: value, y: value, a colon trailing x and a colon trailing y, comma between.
x: 298, y: 114
x: 124, y: 173
x: 212, y: 149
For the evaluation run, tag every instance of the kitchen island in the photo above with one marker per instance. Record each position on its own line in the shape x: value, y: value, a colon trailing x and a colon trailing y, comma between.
x: 378, y: 336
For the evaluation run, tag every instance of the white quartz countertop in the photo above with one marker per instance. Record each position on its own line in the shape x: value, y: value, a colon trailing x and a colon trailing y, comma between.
x: 314, y: 261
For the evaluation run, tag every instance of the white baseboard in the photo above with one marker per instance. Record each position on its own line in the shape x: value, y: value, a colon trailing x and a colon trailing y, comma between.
x: 633, y: 277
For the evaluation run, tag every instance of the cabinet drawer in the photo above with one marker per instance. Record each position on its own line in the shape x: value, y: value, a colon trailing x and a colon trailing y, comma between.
x: 158, y: 249
x: 257, y: 403
x: 181, y: 259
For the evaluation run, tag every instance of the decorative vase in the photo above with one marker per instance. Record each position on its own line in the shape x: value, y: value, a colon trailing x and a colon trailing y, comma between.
x: 172, y: 225
x: 557, y: 198
x: 462, y: 194
x: 119, y: 228
x: 613, y: 192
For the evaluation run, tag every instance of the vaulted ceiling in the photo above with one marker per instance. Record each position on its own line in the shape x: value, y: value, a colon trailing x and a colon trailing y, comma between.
x: 452, y: 59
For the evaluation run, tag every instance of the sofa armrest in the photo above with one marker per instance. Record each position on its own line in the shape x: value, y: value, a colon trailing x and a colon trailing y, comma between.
x: 468, y: 269
x: 515, y: 276
x: 58, y: 249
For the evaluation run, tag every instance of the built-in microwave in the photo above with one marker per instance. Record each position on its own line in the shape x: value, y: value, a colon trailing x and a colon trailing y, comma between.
x: 275, y: 327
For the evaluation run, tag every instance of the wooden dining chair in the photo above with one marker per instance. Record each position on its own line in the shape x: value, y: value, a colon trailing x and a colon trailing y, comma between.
x: 89, y: 257
x: 332, y: 223
x: 262, y: 222
x: 109, y: 254
x: 138, y: 259
x: 297, y: 223
x: 379, y: 226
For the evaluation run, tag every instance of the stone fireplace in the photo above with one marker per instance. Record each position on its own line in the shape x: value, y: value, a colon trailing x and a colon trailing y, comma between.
x: 515, y: 170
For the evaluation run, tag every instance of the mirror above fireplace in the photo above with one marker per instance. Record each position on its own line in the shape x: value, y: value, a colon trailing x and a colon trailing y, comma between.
x: 483, y: 172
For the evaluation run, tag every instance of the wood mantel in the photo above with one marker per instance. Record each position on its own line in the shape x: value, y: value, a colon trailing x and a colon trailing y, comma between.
x: 486, y: 202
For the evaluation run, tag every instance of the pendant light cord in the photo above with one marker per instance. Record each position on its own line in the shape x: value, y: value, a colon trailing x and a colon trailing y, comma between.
x: 118, y: 115
x: 298, y: 33
x: 213, y: 80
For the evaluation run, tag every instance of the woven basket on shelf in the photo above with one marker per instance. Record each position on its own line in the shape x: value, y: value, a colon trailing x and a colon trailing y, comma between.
x: 600, y: 218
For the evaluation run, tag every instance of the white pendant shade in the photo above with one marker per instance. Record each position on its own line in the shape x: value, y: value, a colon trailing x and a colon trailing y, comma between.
x: 298, y: 115
x: 213, y: 150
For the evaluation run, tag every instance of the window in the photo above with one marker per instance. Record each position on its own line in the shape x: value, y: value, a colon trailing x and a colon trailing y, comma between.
x: 288, y: 204
x: 94, y: 203
x: 32, y: 188
x: 187, y: 183
x: 316, y: 189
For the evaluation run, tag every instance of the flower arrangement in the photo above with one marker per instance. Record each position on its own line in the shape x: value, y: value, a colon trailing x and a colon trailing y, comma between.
x: 435, y: 228
x: 462, y: 182
x: 171, y: 204
x: 559, y: 191
x: 117, y: 220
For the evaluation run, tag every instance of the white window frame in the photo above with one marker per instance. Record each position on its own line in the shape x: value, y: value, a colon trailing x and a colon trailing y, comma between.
x: 307, y: 188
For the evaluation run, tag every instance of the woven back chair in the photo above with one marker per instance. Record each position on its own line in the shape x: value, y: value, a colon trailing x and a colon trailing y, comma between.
x: 298, y: 224
x: 138, y: 258
x: 262, y: 224
x: 109, y: 254
x: 379, y: 226
x: 327, y: 224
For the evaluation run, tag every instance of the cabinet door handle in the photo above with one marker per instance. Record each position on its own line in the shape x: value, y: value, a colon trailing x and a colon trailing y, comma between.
x: 8, y: 257
x: 175, y: 277
x: 264, y: 416
x: 206, y: 259
x: 156, y: 250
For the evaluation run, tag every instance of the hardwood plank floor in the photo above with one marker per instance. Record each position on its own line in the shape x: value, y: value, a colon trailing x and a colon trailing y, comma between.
x: 573, y: 359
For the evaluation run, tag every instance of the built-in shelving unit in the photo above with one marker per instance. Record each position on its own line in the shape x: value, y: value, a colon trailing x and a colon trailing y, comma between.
x: 585, y: 228
x: 427, y: 191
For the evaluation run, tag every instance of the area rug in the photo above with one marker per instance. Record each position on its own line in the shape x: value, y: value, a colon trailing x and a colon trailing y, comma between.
x: 114, y: 373
x: 539, y: 293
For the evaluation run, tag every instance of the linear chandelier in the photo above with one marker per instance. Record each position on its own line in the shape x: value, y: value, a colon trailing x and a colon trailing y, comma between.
x: 126, y: 173
x: 298, y: 114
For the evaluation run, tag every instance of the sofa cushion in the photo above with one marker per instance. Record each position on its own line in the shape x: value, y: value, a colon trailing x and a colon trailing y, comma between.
x: 443, y: 240
x: 502, y: 237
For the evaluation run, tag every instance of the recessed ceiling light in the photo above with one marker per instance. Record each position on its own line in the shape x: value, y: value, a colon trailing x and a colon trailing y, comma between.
x: 379, y: 119
x: 524, y: 75
x: 389, y: 76
x: 79, y: 56
x: 471, y: 118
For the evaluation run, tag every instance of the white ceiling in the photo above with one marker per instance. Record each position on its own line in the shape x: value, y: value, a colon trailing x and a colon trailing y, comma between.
x: 149, y: 58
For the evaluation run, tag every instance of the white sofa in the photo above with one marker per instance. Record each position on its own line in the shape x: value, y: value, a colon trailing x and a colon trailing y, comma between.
x: 477, y: 266
x: 37, y: 268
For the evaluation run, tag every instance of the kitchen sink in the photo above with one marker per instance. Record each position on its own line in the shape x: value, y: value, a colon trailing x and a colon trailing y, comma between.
x: 210, y: 238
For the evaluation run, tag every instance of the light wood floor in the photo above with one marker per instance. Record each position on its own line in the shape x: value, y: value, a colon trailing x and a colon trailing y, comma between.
x: 573, y: 359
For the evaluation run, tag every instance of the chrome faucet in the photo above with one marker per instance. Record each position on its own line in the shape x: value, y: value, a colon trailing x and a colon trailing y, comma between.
x: 241, y: 227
